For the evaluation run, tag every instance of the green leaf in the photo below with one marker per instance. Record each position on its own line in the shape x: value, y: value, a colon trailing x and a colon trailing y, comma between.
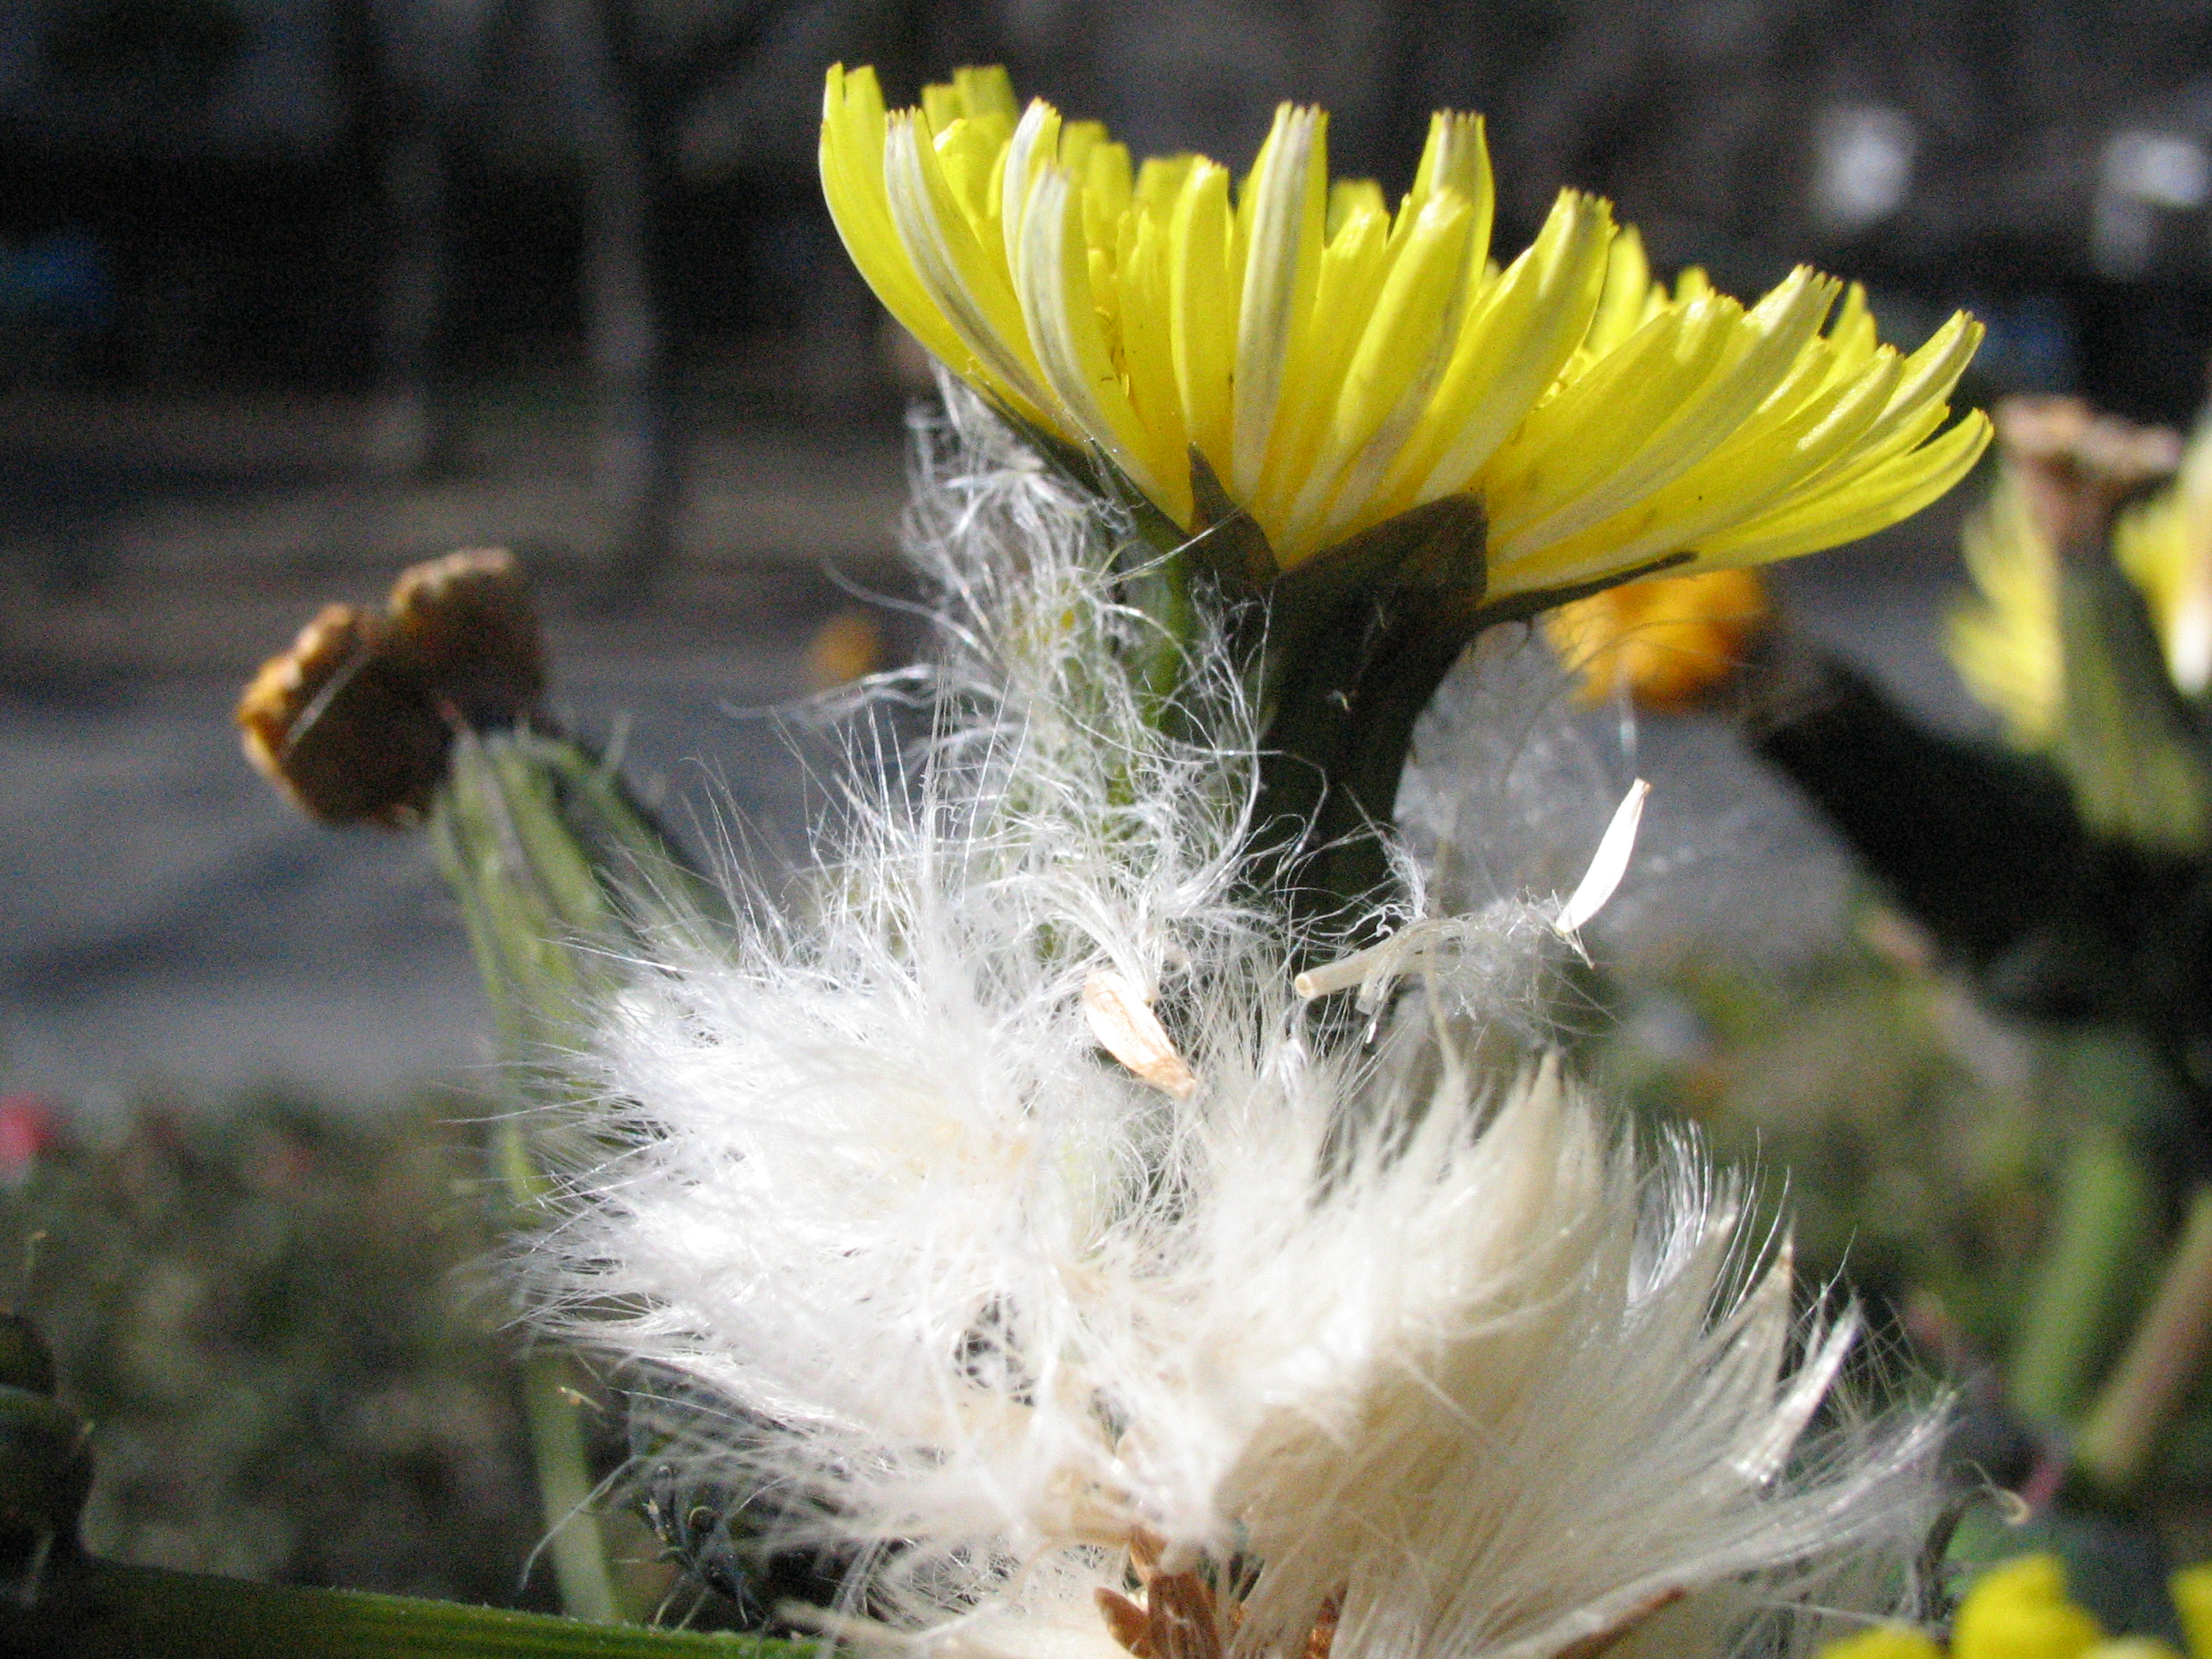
x: 101, y: 1610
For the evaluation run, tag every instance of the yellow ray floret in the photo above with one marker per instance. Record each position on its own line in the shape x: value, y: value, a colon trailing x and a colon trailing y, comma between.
x: 2005, y: 640
x: 1336, y: 363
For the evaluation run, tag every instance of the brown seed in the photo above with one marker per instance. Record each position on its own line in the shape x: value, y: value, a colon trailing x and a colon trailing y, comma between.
x: 1125, y: 1621
x: 1322, y: 1636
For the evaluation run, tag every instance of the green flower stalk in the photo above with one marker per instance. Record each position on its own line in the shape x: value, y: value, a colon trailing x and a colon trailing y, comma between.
x: 419, y: 715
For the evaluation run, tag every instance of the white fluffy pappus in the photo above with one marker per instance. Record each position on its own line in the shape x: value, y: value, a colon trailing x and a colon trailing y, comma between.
x: 1341, y: 1353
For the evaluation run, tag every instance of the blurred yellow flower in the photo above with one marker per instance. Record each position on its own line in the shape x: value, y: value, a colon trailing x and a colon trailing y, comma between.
x: 1885, y: 1642
x: 2164, y: 545
x: 2004, y: 639
x: 1664, y: 641
x: 1335, y: 364
x: 2020, y: 1610
x: 2192, y: 1599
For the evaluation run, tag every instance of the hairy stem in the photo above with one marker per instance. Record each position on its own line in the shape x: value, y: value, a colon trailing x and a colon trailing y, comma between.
x: 1346, y: 701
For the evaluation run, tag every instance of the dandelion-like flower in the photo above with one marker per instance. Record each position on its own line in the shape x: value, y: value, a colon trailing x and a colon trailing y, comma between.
x: 1297, y: 350
x: 1042, y: 1259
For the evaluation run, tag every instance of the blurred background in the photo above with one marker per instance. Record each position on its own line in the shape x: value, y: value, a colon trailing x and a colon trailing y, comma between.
x: 294, y: 292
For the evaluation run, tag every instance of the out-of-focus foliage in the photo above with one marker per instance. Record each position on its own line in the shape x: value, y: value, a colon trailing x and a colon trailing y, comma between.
x: 1917, y: 1144
x: 1904, y: 1123
x: 269, y: 1316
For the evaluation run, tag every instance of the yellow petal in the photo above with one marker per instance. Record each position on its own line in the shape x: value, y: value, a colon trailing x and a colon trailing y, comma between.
x: 1621, y: 311
x: 1353, y: 268
x: 966, y: 280
x: 2019, y: 1611
x: 852, y: 155
x: 1517, y: 334
x: 1337, y: 365
x: 1284, y: 207
x: 1868, y: 499
x: 1204, y: 301
x: 1717, y: 375
x: 1054, y: 277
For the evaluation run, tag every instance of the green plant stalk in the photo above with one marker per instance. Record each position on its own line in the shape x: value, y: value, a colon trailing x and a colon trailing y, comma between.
x: 2130, y: 746
x: 522, y: 831
x: 2101, y: 1230
x: 2153, y: 1380
x: 575, y: 1541
x: 94, y: 1609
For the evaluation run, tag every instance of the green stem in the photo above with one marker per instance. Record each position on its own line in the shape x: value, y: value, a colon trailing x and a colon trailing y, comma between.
x: 526, y: 831
x: 1346, y: 707
x: 2162, y: 1361
x: 95, y: 1609
x: 574, y: 1540
x: 2101, y: 1230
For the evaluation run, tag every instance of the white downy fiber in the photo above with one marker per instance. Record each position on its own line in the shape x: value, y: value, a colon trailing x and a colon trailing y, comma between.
x: 1468, y: 1376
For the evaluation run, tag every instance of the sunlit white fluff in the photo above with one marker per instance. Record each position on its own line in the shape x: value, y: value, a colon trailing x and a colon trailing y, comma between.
x: 1463, y: 1370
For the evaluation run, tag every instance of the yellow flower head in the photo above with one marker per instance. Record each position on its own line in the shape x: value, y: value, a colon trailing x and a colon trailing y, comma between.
x: 1335, y: 363
x: 1663, y: 640
x: 2005, y: 639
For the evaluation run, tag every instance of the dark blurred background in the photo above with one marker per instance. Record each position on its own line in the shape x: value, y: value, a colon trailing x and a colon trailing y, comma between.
x: 294, y: 291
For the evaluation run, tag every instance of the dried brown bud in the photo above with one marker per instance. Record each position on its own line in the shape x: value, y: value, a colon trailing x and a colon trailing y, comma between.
x: 846, y: 648
x: 465, y: 623
x: 343, y: 730
x: 353, y: 722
